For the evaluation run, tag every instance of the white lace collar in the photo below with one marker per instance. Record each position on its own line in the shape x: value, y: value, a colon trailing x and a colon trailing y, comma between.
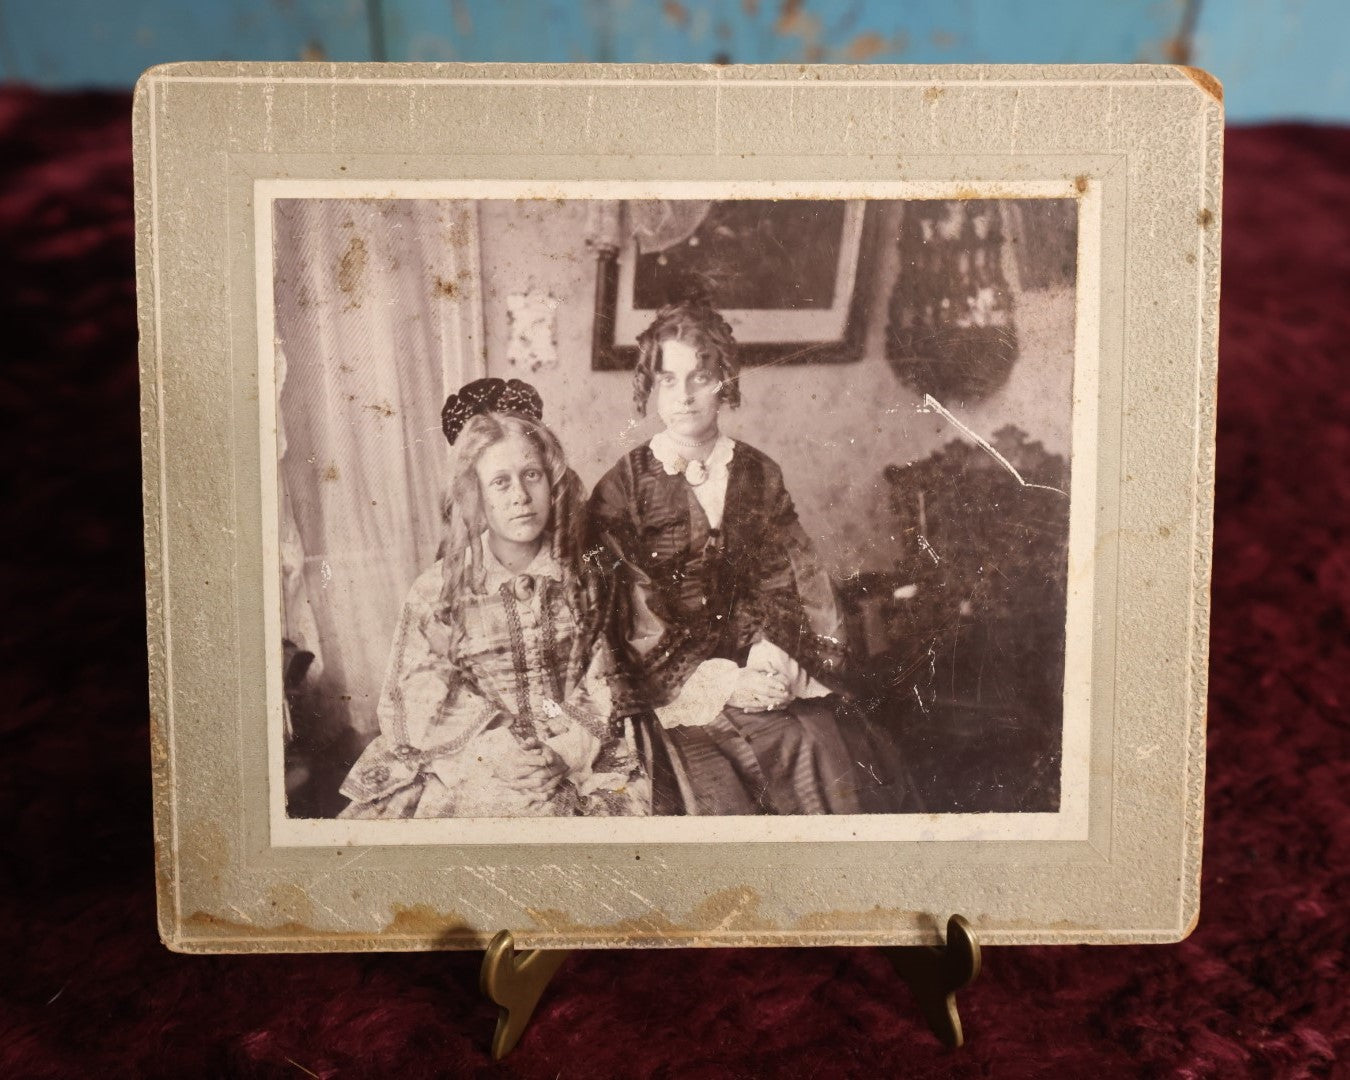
x: 672, y: 459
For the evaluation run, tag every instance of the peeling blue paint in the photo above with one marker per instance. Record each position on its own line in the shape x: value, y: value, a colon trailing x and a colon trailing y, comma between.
x: 1277, y: 58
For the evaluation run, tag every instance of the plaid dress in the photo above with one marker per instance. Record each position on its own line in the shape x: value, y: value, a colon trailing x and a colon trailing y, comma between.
x: 501, y: 687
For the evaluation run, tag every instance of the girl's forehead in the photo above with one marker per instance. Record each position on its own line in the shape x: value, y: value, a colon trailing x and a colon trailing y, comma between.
x: 679, y: 355
x: 514, y: 450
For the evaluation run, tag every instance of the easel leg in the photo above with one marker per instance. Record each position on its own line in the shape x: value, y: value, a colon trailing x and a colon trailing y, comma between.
x: 515, y: 982
x: 936, y: 974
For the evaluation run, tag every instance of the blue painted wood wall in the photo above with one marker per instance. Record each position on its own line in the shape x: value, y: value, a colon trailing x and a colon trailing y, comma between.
x: 1277, y: 58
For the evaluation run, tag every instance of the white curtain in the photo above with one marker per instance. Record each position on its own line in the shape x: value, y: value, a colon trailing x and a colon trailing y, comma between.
x: 379, y: 316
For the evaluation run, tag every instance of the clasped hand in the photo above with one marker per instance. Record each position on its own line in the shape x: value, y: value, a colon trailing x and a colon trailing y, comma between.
x: 758, y: 690
x: 530, y: 768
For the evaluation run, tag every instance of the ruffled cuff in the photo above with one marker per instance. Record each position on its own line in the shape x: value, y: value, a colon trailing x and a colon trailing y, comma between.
x: 381, y: 771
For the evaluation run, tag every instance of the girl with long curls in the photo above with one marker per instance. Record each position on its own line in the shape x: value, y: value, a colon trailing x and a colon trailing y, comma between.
x: 720, y: 614
x: 495, y: 703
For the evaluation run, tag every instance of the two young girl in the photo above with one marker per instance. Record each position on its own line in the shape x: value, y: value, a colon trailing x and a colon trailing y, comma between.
x: 672, y: 651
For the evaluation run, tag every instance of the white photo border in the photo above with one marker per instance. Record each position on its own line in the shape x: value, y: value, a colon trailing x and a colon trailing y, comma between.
x: 1069, y: 823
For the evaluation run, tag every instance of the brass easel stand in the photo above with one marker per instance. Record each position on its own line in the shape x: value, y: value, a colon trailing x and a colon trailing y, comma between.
x: 935, y: 974
x: 515, y: 981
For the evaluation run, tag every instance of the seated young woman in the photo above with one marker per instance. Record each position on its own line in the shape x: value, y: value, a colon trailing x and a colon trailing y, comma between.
x: 720, y: 615
x: 495, y: 703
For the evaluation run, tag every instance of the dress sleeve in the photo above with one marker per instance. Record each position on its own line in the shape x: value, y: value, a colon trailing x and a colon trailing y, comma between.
x: 788, y: 601
x: 592, y: 696
x: 429, y: 702
x: 809, y: 579
x: 632, y: 629
x: 429, y: 706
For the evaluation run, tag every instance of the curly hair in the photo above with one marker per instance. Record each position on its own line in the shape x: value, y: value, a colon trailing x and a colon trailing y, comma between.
x: 698, y: 325
x: 465, y: 520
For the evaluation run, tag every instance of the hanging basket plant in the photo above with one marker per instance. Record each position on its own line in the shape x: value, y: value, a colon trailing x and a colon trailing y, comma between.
x: 950, y: 331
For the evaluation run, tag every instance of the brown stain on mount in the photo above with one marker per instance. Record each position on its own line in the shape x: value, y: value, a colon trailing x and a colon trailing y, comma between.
x: 204, y: 920
x: 416, y: 920
x: 1205, y: 218
x: 418, y: 925
x: 733, y: 911
x: 445, y: 929
x: 727, y: 910
x: 1203, y: 79
x: 1080, y: 184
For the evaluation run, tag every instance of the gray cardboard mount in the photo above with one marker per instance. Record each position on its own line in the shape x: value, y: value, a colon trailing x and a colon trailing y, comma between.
x: 1147, y: 140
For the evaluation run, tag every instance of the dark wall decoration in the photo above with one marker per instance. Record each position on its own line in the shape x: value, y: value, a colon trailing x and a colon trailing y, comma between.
x: 752, y: 259
x: 950, y: 331
x: 751, y: 254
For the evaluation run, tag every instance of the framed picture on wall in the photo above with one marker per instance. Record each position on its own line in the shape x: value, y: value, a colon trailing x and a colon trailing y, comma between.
x: 747, y: 539
x: 791, y: 276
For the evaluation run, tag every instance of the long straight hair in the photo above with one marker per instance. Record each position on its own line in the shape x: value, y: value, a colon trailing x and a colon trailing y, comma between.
x: 464, y: 519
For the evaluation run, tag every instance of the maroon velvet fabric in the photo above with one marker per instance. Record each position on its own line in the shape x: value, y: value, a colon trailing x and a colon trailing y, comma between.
x: 1259, y: 989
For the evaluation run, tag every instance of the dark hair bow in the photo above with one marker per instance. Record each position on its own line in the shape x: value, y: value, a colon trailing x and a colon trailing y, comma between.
x: 489, y: 395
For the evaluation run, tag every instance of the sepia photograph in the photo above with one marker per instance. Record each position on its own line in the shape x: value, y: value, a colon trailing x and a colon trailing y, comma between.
x: 694, y: 507
x: 675, y: 507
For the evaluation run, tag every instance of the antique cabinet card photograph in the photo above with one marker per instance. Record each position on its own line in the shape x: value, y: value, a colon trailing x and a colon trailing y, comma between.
x: 662, y: 506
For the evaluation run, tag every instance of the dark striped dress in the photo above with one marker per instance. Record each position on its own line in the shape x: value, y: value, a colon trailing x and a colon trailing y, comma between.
x: 681, y: 593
